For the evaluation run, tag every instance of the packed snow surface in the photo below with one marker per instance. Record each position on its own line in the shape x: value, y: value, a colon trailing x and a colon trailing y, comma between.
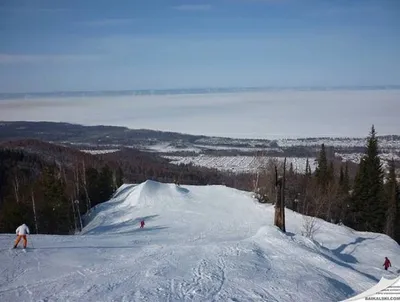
x: 200, y: 243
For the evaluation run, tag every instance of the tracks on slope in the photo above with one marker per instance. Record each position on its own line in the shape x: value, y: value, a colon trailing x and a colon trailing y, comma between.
x: 207, y: 281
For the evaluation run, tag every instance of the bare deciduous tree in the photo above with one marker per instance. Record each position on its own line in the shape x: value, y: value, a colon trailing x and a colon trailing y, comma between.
x: 310, y: 226
x: 34, y: 211
x: 16, y: 188
x: 74, y: 212
x: 88, y: 202
x: 79, y: 215
x: 259, y: 167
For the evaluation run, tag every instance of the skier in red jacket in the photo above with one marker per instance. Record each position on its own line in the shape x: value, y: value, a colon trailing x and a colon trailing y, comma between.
x: 142, y: 224
x: 387, y: 263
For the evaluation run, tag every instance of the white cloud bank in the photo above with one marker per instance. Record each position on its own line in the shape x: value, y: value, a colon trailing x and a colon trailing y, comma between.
x: 242, y: 115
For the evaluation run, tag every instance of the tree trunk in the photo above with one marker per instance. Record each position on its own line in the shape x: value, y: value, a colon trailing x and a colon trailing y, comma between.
x: 77, y: 182
x: 391, y: 214
x: 329, y: 210
x: 16, y: 188
x: 257, y: 180
x: 114, y: 180
x: 34, y: 211
x: 283, y: 201
x: 280, y: 199
x: 74, y: 212
x: 64, y: 175
x: 80, y: 217
x: 88, y: 203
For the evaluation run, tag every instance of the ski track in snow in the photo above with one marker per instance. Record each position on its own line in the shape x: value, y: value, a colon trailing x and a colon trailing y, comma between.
x: 208, y: 243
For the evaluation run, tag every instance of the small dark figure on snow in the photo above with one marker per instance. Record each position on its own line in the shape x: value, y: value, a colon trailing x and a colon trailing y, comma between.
x: 142, y: 224
x: 387, y: 263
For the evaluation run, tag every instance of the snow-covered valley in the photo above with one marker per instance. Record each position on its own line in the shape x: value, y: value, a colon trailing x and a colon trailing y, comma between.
x: 200, y: 243
x: 240, y: 164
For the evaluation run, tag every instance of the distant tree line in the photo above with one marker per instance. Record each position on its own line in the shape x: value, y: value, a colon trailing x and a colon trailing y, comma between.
x: 48, y: 197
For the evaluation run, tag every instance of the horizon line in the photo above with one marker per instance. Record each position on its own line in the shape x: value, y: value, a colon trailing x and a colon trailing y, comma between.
x: 203, y: 90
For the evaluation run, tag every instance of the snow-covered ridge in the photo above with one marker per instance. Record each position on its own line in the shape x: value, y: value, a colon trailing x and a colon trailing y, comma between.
x: 356, y: 158
x: 249, y: 163
x: 200, y: 243
x: 244, y: 164
x: 101, y: 151
x: 387, y: 142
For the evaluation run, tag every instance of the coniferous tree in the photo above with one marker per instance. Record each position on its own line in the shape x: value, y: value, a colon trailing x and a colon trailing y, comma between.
x: 119, y: 177
x: 304, y: 190
x: 14, y: 214
x: 392, y: 193
x: 358, y: 211
x: 292, y: 188
x: 54, y: 210
x: 3, y: 177
x: 330, y: 173
x: 343, y: 193
x: 106, y: 183
x: 321, y: 172
x: 346, y: 180
x: 92, y: 184
x: 100, y: 184
x: 341, y: 177
x: 368, y: 207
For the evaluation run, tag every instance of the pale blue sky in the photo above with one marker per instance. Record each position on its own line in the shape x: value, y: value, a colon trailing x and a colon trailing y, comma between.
x: 107, y: 45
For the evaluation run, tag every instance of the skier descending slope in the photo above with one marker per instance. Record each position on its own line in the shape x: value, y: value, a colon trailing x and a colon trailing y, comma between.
x: 387, y: 263
x: 21, y: 232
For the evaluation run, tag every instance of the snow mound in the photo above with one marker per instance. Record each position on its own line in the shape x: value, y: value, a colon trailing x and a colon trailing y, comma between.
x: 147, y: 193
x: 198, y: 210
x: 119, y: 215
x: 200, y: 243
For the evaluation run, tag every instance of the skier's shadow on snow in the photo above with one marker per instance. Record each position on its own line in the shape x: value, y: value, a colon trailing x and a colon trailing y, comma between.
x: 146, y: 229
x: 128, y: 226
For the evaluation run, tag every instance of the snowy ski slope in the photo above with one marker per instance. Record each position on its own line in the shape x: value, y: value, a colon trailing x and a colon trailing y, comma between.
x: 200, y: 243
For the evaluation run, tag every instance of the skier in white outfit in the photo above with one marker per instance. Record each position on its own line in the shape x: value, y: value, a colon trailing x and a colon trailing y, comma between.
x: 21, y: 232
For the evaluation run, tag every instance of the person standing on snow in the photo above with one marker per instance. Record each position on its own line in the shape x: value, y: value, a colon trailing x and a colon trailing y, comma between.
x: 387, y: 263
x: 21, y: 232
x: 142, y: 224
